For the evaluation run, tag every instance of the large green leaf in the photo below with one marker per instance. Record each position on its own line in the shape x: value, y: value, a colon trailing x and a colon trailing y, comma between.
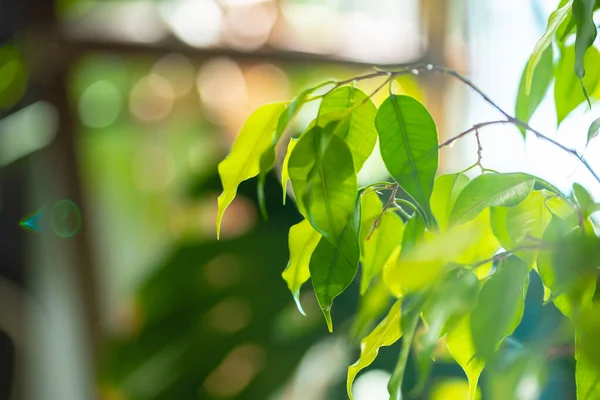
x: 243, y: 161
x: 554, y: 21
x: 460, y: 345
x: 323, y: 177
x: 490, y: 190
x: 377, y: 249
x: 357, y: 127
x: 334, y: 266
x: 445, y: 192
x: 408, y: 142
x: 303, y: 240
x: 583, y: 13
x: 385, y: 334
x: 285, y: 174
x: 500, y: 307
x: 529, y: 100
x: 567, y: 87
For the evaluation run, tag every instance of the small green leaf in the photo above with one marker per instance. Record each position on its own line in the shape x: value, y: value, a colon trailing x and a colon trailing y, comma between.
x: 500, y: 307
x: 285, y: 175
x: 460, y: 345
x: 583, y: 13
x: 408, y: 142
x: 529, y: 100
x: 386, y: 333
x: 334, y: 266
x: 594, y: 130
x: 357, y: 129
x: 243, y: 161
x: 379, y: 247
x: 490, y: 190
x: 370, y: 207
x: 445, y: 192
x: 567, y: 87
x: 303, y: 240
x: 554, y: 21
x: 584, y: 198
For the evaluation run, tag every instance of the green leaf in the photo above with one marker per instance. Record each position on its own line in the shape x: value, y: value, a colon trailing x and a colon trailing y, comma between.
x: 587, y: 378
x: 445, y: 192
x: 408, y: 142
x: 529, y: 100
x: 554, y: 21
x: 594, y: 130
x: 583, y: 13
x: 490, y: 190
x: 460, y: 345
x: 243, y: 160
x: 583, y: 197
x: 285, y: 175
x: 372, y: 304
x: 386, y: 333
x: 482, y: 247
x: 500, y: 307
x: 567, y: 87
x: 370, y: 207
x: 334, y: 266
x: 323, y: 177
x: 587, y: 352
x: 357, y: 129
x: 413, y: 233
x: 377, y: 249
x: 303, y: 240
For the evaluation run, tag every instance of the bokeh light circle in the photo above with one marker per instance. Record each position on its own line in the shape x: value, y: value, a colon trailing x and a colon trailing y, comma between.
x: 65, y: 218
x: 13, y: 77
x: 100, y: 104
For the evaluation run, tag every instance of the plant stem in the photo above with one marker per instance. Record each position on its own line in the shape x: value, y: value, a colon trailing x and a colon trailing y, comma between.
x: 395, y: 383
x: 387, y: 205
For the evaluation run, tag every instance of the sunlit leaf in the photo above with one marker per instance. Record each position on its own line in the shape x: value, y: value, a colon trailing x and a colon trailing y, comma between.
x: 370, y: 207
x: 461, y: 347
x: 385, y: 334
x: 500, y: 307
x: 567, y: 87
x: 587, y: 352
x: 583, y: 13
x: 357, y: 129
x: 408, y: 142
x: 303, y: 240
x: 334, y: 266
x: 594, y: 130
x: 490, y: 190
x: 583, y: 197
x: 452, y: 389
x: 445, y: 192
x: 554, y: 21
x: 243, y: 160
x: 529, y: 100
x: 285, y: 175
x: 372, y: 304
x: 413, y: 233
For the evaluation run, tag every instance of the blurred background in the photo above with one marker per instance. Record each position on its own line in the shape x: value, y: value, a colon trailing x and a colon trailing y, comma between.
x: 113, y: 117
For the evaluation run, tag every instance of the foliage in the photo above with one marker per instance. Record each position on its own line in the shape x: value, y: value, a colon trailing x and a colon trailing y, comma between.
x: 456, y: 253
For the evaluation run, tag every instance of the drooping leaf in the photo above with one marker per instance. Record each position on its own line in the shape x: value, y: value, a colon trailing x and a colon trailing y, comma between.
x: 380, y: 246
x: 489, y: 190
x: 583, y: 197
x: 445, y: 192
x: 334, y: 266
x: 408, y: 142
x: 554, y: 21
x: 243, y: 161
x: 567, y: 87
x: 529, y: 100
x: 500, y: 307
x: 386, y: 333
x: 303, y: 240
x: 594, y: 130
x: 460, y: 345
x: 285, y: 175
x: 357, y: 129
x: 372, y: 304
x: 583, y: 13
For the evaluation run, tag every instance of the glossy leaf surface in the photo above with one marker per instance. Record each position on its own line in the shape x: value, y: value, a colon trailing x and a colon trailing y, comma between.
x: 285, y: 174
x: 461, y: 347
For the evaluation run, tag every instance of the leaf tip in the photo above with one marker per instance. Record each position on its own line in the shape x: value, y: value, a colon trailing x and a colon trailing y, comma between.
x: 296, y: 295
x: 327, y: 314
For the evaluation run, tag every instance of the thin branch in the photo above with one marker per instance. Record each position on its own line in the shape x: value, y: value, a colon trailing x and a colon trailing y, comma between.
x: 479, y: 151
x: 474, y: 128
x: 390, y: 201
x: 504, y: 254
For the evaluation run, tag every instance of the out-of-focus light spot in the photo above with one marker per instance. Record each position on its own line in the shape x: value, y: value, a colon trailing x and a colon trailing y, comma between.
x: 13, y: 78
x: 266, y: 83
x: 178, y: 70
x: 108, y: 392
x: 372, y: 385
x: 65, y: 218
x: 26, y: 131
x: 235, y: 372
x: 223, y: 92
x: 248, y: 25
x: 239, y: 218
x: 151, y: 98
x: 100, y: 104
x: 528, y: 388
x: 201, y: 155
x: 230, y: 315
x: 153, y: 168
x: 33, y: 222
x: 196, y: 22
x: 223, y: 271
x: 452, y: 389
